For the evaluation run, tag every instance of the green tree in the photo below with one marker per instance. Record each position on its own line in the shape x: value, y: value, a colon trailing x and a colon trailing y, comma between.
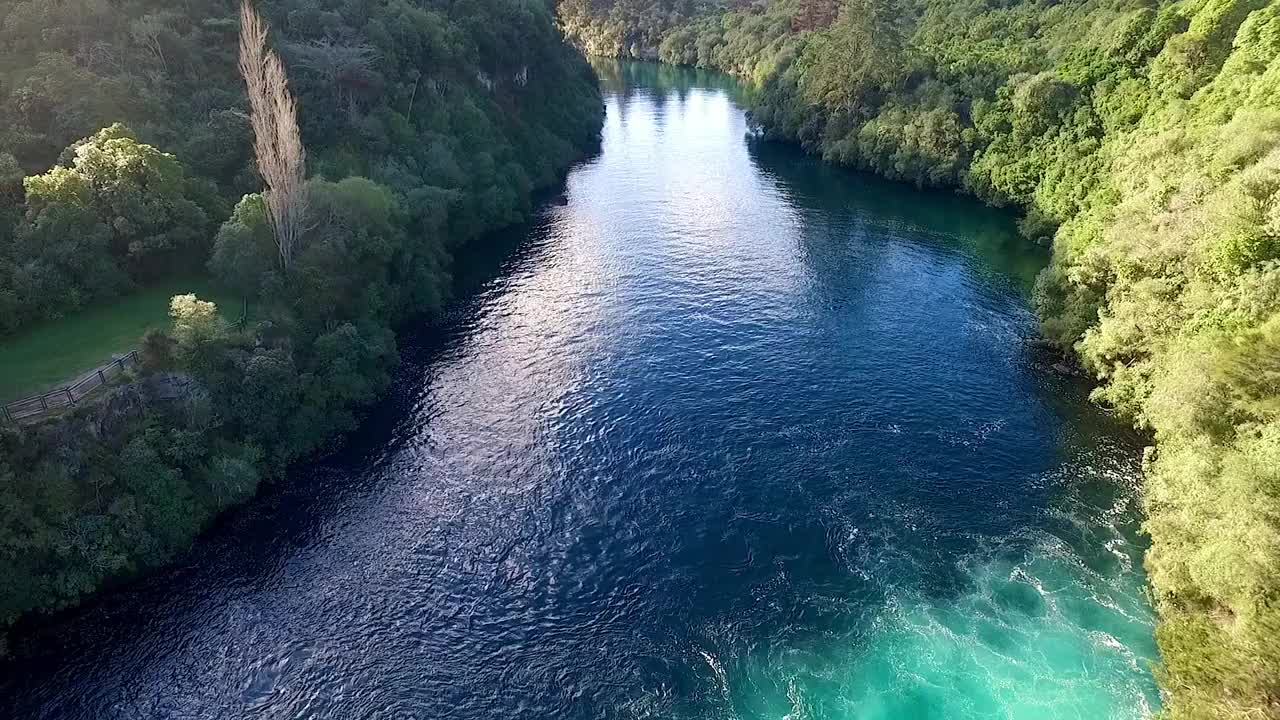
x: 141, y: 196
x: 244, y: 253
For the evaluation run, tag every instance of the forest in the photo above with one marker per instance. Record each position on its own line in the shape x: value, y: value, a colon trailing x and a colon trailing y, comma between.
x: 127, y: 155
x: 1143, y: 137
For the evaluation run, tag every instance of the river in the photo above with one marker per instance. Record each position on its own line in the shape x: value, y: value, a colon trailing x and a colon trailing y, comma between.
x: 723, y: 433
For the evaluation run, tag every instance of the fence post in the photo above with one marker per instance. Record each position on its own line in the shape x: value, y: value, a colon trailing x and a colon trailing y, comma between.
x: 43, y: 405
x: 70, y: 398
x: 9, y: 415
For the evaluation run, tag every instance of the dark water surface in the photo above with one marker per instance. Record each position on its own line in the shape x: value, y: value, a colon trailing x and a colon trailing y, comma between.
x: 725, y: 434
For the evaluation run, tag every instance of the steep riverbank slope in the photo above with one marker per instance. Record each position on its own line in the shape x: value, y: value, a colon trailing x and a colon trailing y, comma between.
x: 1145, y: 138
x: 426, y: 124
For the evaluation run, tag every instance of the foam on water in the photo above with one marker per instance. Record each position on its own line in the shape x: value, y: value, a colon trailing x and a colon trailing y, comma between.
x: 1029, y: 640
x: 1050, y: 622
x: 1033, y: 637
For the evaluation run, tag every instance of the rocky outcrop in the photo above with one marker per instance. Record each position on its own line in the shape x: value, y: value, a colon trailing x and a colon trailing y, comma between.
x: 109, y: 416
x: 1048, y: 356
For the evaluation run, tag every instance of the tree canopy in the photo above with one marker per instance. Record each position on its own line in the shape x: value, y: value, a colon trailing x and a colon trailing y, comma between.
x: 459, y: 109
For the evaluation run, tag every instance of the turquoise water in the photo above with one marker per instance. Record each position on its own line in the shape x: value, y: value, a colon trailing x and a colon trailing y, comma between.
x: 724, y: 433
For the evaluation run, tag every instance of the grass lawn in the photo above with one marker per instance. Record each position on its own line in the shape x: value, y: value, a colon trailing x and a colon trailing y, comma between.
x: 56, y: 352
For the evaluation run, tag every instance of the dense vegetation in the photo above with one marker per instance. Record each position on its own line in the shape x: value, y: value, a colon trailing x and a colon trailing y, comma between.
x: 1144, y: 135
x: 426, y: 122
x: 458, y: 107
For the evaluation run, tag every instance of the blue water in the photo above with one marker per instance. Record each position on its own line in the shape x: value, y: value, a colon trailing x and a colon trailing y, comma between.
x: 724, y: 433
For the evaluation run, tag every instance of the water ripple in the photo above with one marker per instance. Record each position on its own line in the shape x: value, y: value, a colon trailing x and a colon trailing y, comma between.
x: 730, y: 434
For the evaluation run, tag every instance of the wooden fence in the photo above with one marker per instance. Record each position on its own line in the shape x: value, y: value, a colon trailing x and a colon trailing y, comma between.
x: 38, y: 405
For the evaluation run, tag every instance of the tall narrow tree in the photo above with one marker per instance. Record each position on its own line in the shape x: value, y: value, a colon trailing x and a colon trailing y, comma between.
x: 276, y: 139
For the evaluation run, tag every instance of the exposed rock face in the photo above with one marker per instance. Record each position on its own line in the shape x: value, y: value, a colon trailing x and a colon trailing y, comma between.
x: 642, y: 52
x: 1052, y: 358
x: 171, y: 394
x: 1064, y: 369
x: 171, y: 386
x: 121, y: 406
